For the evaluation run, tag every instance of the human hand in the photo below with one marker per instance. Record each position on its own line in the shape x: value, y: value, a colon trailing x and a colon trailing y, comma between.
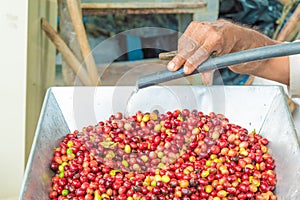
x: 201, y: 39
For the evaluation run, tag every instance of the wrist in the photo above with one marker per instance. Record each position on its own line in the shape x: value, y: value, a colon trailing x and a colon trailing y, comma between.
x: 249, y: 39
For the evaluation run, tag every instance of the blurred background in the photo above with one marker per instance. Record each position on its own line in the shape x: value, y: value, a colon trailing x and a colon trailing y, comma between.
x: 41, y: 47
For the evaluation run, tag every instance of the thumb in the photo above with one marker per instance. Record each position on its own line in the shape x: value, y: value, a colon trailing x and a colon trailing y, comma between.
x: 207, y: 77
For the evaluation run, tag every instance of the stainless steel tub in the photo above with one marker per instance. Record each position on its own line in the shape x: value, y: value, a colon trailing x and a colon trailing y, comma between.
x: 254, y: 107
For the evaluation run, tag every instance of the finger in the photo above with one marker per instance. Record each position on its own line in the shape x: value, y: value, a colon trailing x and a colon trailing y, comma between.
x: 187, y: 45
x: 207, y: 77
x: 211, y: 44
x: 195, y: 60
x: 176, y: 63
x: 186, y: 48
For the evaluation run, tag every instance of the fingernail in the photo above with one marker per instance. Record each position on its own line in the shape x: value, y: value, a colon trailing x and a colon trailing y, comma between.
x: 185, y: 69
x: 171, y: 65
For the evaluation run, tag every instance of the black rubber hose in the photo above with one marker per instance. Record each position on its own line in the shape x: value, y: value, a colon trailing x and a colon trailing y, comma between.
x: 224, y: 61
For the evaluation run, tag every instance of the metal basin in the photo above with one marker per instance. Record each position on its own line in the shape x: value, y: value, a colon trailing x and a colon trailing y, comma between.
x: 254, y: 107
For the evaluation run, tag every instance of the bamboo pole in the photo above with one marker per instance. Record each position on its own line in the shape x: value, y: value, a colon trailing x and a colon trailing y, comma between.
x: 82, y: 40
x: 66, y: 53
x: 290, y: 25
x: 286, y: 10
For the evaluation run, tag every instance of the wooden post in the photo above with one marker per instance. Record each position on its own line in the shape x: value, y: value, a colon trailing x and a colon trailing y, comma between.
x: 82, y: 40
x: 66, y: 52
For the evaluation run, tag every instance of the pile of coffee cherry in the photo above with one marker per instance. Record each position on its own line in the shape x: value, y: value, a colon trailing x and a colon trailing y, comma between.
x: 181, y: 154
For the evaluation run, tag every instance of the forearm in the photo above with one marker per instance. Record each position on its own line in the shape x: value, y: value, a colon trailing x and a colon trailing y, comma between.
x: 276, y: 69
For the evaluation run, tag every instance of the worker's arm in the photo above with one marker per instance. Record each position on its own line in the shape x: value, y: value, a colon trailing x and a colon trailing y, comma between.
x: 201, y: 39
x: 276, y: 69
